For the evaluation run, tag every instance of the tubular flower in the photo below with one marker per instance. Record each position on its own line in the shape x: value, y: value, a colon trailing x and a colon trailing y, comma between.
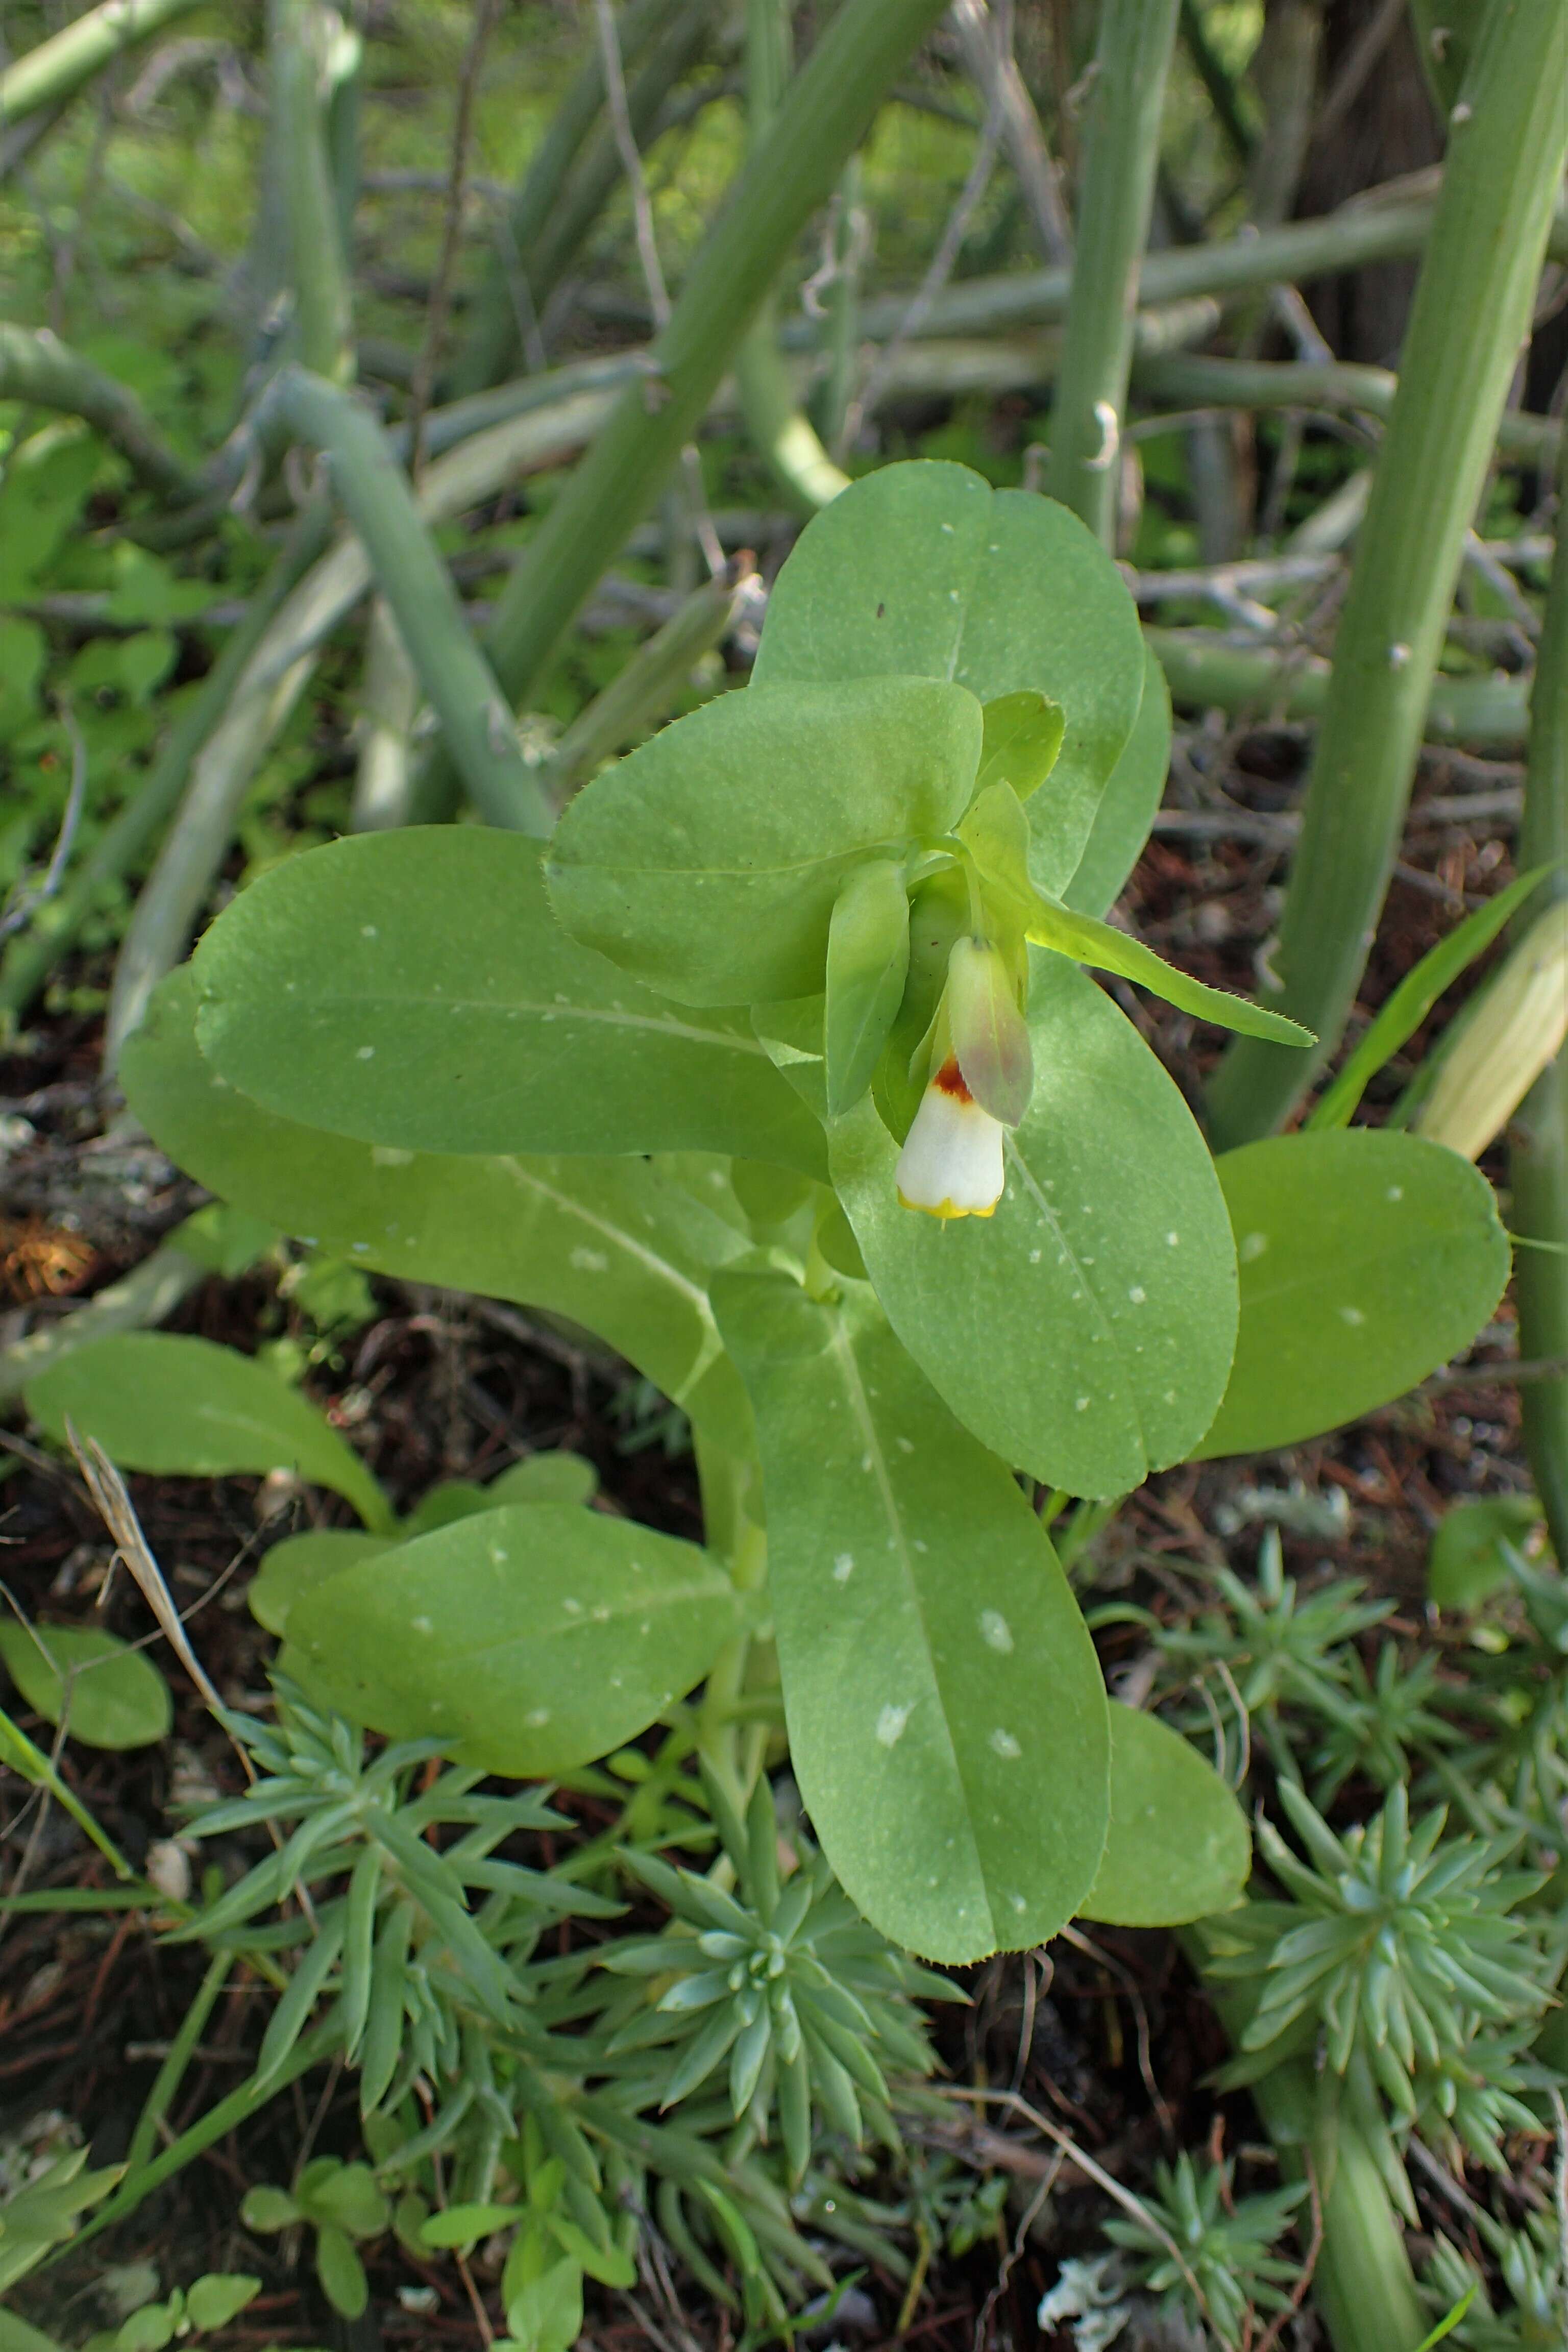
x: 951, y: 1165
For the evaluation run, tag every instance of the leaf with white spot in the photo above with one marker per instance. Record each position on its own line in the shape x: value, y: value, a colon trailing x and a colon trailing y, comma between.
x: 1084, y: 1331
x: 610, y: 1243
x: 530, y: 1639
x: 1367, y: 1259
x: 924, y: 569
x: 413, y: 989
x: 947, y: 1718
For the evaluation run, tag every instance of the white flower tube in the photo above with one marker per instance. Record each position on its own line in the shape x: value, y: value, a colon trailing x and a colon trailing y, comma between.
x: 951, y: 1165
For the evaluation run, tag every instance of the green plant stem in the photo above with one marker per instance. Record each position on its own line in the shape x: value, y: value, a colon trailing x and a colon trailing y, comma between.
x: 493, y: 338
x: 826, y: 112
x: 1489, y: 714
x: 59, y: 920
x: 172, y: 2073
x: 57, y: 68
x: 1471, y: 313
x: 301, y: 87
x: 1362, y: 2284
x: 781, y: 433
x: 1121, y: 153
x: 1193, y: 379
x: 1538, y: 1161
x: 1357, y: 235
x: 416, y: 584
x: 215, y: 2124
x: 389, y: 705
x: 1223, y: 94
x: 643, y: 691
x: 36, y: 366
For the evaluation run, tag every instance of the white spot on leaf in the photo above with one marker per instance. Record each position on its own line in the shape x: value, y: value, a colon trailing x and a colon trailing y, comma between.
x: 995, y: 1630
x: 890, y: 1724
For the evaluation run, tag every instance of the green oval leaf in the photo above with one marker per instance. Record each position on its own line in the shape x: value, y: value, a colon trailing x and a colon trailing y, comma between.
x: 1367, y: 1259
x: 1178, y: 1847
x: 608, y: 1243
x: 298, y: 1564
x: 1126, y: 812
x: 107, y: 1695
x: 947, y: 1717
x: 707, y: 862
x: 532, y: 1639
x: 413, y: 989
x: 187, y: 1407
x: 1083, y: 1332
x: 922, y: 570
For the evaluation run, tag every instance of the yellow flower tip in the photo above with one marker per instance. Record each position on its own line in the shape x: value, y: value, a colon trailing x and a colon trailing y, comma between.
x: 951, y: 1165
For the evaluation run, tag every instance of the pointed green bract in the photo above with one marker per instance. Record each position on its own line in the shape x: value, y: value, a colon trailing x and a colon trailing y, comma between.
x: 189, y: 1408
x: 947, y: 1718
x: 707, y: 862
x: 1178, y: 1847
x: 413, y: 989
x: 1084, y: 1331
x: 609, y: 1243
x: 867, y: 960
x: 1021, y: 742
x: 530, y: 1639
x: 1367, y: 1259
x: 923, y: 569
x: 1089, y: 940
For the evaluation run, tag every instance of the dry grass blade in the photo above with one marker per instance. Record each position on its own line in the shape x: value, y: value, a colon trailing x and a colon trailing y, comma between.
x: 1091, y: 2171
x: 115, y: 1509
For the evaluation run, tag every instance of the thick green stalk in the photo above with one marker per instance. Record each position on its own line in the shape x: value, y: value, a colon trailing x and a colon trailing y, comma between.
x: 1471, y: 313
x: 59, y: 920
x: 1350, y: 239
x: 1196, y: 381
x: 1362, y: 2285
x: 782, y: 434
x: 492, y: 340
x: 1488, y: 714
x: 826, y: 112
x: 301, y: 83
x: 37, y: 366
x: 416, y: 584
x: 388, y: 707
x: 1121, y: 154
x: 57, y: 68
x: 1537, y: 1164
x: 841, y: 336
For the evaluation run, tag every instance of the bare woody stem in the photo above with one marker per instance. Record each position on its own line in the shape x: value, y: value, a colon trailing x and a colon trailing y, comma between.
x: 1121, y: 153
x: 1471, y: 313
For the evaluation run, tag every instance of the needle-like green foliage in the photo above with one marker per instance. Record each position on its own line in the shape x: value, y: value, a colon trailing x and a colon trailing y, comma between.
x: 1226, y: 2247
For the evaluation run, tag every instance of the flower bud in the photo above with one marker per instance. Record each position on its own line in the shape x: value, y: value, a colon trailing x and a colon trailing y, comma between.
x: 951, y: 1165
x: 990, y: 1035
